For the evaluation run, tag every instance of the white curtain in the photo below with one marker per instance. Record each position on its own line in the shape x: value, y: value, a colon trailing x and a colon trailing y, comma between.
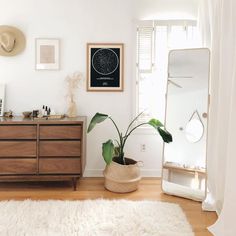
x: 218, y: 24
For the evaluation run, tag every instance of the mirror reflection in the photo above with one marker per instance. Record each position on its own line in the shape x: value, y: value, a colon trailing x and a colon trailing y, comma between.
x: 184, y: 160
x: 194, y: 130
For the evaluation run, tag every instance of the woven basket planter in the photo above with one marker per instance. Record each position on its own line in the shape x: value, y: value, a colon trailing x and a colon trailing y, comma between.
x: 122, y: 178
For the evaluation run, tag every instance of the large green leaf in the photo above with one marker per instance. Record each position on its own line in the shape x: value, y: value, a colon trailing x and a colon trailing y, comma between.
x: 155, y: 123
x: 98, y: 118
x: 166, y: 136
x: 108, y: 151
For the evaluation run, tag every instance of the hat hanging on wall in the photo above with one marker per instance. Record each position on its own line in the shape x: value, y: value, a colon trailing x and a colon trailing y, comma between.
x: 12, y: 41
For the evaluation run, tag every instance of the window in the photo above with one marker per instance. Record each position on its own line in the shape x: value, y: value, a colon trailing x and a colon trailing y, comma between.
x: 154, y: 40
x: 145, y: 49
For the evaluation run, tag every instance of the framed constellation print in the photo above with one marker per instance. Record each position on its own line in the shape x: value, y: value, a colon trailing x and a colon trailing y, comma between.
x: 105, y: 67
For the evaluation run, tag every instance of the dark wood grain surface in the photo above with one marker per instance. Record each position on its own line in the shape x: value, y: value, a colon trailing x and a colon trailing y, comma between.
x: 60, y: 132
x: 59, y: 166
x: 59, y: 148
x: 17, y: 149
x: 18, y: 166
x: 42, y: 149
x: 18, y: 132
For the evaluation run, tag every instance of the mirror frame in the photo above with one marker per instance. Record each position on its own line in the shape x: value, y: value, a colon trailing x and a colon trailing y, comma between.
x: 208, y: 114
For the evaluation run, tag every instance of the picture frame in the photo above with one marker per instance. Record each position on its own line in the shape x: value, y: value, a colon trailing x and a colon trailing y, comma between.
x: 47, y: 54
x: 105, y: 67
x: 2, y: 99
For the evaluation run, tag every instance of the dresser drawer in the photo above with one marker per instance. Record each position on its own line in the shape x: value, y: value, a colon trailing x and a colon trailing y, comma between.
x: 17, y: 149
x: 60, y: 132
x: 59, y: 148
x: 59, y: 166
x: 18, y: 131
x: 18, y: 166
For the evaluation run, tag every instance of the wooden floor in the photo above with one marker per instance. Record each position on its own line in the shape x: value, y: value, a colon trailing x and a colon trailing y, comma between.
x: 92, y: 188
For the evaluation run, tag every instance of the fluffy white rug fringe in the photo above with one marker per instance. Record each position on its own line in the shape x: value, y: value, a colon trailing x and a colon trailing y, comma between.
x: 92, y: 218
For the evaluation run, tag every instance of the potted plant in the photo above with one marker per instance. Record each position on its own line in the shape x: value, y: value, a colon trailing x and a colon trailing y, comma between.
x: 122, y: 174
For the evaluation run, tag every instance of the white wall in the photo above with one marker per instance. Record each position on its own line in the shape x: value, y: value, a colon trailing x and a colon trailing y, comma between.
x: 77, y: 22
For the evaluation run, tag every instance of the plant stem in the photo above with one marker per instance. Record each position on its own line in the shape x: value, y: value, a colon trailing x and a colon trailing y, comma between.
x: 133, y: 122
x: 121, y: 141
x: 125, y: 138
x: 118, y: 131
x: 122, y: 150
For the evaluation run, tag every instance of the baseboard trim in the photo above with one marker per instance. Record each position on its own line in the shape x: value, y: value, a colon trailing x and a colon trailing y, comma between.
x: 151, y: 172
x: 144, y: 173
x: 93, y: 173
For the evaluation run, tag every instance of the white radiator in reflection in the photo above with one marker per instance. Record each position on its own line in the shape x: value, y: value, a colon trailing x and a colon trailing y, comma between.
x: 2, y: 99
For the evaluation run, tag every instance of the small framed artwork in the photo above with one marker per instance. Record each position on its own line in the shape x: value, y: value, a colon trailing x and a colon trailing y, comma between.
x: 47, y: 54
x: 105, y: 67
x: 2, y: 99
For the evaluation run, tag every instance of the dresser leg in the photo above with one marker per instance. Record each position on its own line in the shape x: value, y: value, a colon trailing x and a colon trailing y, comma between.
x: 74, y: 181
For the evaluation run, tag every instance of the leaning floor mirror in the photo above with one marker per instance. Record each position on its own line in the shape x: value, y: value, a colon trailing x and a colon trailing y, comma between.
x: 187, y: 104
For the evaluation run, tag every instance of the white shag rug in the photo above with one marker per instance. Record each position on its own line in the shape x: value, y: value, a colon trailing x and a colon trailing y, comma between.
x: 92, y: 218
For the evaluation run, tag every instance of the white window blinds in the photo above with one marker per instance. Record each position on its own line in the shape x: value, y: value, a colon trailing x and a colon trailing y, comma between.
x: 145, y: 48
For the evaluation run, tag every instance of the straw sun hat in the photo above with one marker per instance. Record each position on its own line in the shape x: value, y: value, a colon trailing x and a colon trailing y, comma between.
x: 12, y: 41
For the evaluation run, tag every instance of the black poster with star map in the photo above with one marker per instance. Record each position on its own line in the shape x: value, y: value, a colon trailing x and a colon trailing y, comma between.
x: 105, y: 67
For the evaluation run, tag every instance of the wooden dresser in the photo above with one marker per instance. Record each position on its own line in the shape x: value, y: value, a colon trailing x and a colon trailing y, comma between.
x: 42, y: 149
